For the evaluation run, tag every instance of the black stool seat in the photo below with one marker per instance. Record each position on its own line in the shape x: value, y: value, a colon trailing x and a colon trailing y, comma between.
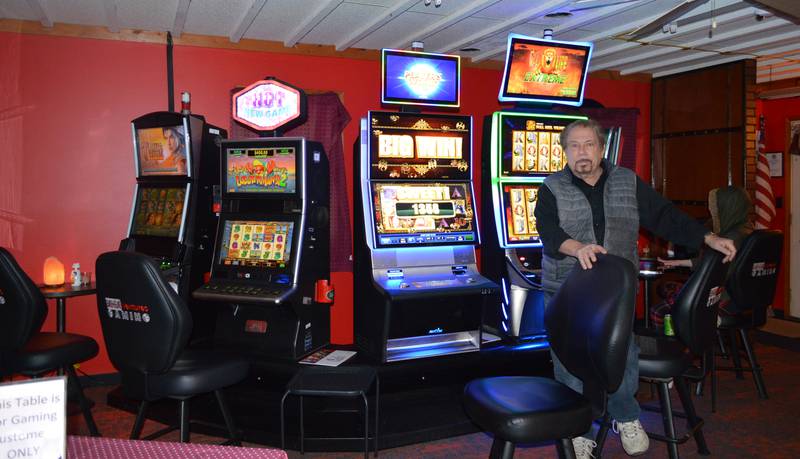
x: 322, y: 381
x: 332, y: 381
x: 741, y: 320
x: 45, y: 351
x: 197, y: 372
x: 527, y: 408
x: 662, y: 357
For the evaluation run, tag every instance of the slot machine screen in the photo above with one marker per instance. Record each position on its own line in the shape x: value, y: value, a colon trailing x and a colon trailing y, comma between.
x: 157, y: 218
x: 252, y: 243
x: 530, y: 145
x: 162, y: 151
x: 416, y: 78
x: 158, y: 211
x: 548, y: 71
x: 519, y: 223
x: 423, y: 214
x: 420, y: 146
x: 259, y: 168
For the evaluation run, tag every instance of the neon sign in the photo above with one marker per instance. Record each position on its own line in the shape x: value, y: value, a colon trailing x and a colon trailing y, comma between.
x: 267, y: 105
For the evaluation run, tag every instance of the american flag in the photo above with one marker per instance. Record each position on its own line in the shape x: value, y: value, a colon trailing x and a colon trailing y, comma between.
x: 765, y: 200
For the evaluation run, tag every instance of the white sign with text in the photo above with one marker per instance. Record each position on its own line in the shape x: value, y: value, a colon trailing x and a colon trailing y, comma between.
x: 32, y: 418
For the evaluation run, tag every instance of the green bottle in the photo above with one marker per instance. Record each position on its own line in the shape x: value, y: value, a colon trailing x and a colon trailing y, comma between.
x: 668, y: 330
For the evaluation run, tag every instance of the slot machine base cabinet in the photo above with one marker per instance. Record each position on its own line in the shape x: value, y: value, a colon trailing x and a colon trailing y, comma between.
x: 393, y: 328
x: 281, y: 331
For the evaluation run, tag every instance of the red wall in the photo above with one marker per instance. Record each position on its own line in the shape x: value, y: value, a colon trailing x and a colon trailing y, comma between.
x: 777, y: 113
x: 70, y: 102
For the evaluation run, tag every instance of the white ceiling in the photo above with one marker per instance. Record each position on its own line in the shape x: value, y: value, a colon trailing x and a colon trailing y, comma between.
x: 472, y: 28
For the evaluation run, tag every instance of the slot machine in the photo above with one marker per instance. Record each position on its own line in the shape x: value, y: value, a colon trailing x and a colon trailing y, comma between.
x: 419, y: 290
x: 270, y: 268
x: 177, y: 170
x: 521, y: 148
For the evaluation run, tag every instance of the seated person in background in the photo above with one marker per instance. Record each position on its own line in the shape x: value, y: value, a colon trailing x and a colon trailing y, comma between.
x: 730, y: 209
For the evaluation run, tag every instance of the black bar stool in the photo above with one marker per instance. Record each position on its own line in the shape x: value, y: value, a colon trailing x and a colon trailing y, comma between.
x: 321, y: 381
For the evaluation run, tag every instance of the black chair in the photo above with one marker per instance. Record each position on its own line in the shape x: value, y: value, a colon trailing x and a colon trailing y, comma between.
x: 665, y: 359
x: 24, y: 349
x: 590, y: 324
x: 751, y: 286
x: 146, y: 327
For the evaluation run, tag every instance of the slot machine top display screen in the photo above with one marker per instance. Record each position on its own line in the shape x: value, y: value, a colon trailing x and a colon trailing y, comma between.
x: 530, y: 145
x: 519, y: 222
x: 162, y: 151
x: 422, y: 214
x: 259, y: 168
x: 255, y: 243
x: 415, y: 78
x: 158, y: 211
x: 548, y: 71
x: 417, y: 146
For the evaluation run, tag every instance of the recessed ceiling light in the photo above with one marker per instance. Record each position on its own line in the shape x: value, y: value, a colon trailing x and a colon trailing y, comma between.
x: 558, y: 14
x: 469, y: 50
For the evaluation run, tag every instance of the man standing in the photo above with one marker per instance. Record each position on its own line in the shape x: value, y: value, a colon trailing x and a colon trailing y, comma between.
x: 592, y: 207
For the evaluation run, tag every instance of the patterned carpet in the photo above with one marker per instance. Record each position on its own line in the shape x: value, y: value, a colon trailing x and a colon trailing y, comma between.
x: 743, y: 427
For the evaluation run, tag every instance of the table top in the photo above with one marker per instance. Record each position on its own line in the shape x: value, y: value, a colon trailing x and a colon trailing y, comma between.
x: 114, y: 448
x: 67, y: 290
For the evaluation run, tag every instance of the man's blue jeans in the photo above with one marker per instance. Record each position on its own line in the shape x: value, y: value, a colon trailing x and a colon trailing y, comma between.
x: 622, y: 404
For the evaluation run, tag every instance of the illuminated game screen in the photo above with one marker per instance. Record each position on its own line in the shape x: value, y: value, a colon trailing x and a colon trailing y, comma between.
x: 162, y: 151
x: 530, y: 145
x: 417, y: 146
x: 545, y: 70
x: 414, y: 214
x: 260, y: 169
x: 519, y: 202
x: 416, y: 78
x: 158, y: 211
x: 256, y: 243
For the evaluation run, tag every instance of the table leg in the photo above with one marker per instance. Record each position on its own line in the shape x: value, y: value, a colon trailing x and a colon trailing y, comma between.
x: 61, y: 314
x: 647, y: 303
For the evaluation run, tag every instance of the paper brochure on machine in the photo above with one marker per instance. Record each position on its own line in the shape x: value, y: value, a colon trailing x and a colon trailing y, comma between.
x: 328, y: 357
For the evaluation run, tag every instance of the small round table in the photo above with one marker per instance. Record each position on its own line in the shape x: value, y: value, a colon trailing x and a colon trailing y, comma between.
x: 61, y: 293
x: 648, y: 271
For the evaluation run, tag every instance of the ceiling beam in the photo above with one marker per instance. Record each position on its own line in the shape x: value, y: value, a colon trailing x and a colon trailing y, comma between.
x: 660, y: 50
x: 575, y: 23
x: 38, y: 7
x: 540, y: 9
x: 751, y: 45
x: 457, y: 16
x: 378, y: 22
x: 665, y: 18
x: 682, y: 30
x: 325, y: 8
x: 247, y: 20
x: 705, y: 62
x: 699, y: 64
x: 112, y: 20
x: 180, y: 17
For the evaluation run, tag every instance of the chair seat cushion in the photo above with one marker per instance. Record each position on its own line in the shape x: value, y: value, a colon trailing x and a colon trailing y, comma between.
x: 662, y: 357
x: 741, y: 320
x: 198, y: 371
x: 49, y: 351
x: 523, y: 409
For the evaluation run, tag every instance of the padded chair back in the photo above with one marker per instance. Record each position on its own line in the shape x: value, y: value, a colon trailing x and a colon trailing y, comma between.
x: 694, y: 313
x: 146, y: 325
x: 590, y: 324
x: 754, y: 274
x: 23, y: 308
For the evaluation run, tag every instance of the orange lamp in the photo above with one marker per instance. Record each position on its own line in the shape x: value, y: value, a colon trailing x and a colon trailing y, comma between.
x: 53, y: 271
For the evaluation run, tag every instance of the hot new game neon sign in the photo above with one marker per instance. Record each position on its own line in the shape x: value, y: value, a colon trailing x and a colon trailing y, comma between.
x: 269, y: 104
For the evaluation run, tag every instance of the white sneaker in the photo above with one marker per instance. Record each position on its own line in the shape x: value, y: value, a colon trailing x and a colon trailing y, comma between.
x: 583, y: 447
x: 634, y: 439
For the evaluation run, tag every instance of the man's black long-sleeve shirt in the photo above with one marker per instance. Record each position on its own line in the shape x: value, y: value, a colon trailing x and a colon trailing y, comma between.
x: 656, y: 214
